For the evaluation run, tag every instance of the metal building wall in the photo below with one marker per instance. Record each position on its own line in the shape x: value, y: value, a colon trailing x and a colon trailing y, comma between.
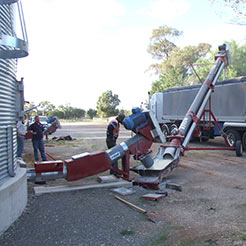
x: 8, y: 90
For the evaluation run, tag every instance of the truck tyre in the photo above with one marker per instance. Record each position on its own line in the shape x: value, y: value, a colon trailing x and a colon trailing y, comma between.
x: 232, y: 137
x: 239, y: 148
x: 244, y: 141
x: 165, y: 130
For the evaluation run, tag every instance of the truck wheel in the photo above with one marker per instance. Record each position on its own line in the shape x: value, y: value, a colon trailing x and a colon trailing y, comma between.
x: 165, y: 130
x: 173, y: 129
x: 232, y: 137
x: 244, y: 141
x: 239, y: 148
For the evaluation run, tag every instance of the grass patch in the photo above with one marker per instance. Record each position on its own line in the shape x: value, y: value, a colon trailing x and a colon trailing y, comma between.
x: 142, y: 200
x: 237, y: 187
x: 126, y: 233
x: 242, y: 206
x: 81, y: 200
x: 94, y: 147
x: 66, y: 143
x: 239, y: 235
x: 160, y: 240
x: 204, y: 200
x: 212, y: 209
x: 211, y: 242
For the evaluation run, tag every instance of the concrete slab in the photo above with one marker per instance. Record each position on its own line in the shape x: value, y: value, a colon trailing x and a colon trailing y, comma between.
x: 123, y: 191
x: 39, y: 190
x: 174, y: 186
x: 107, y: 179
x: 153, y: 197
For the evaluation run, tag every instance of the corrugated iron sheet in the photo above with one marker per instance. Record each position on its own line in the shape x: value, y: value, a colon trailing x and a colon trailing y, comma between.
x: 8, y: 142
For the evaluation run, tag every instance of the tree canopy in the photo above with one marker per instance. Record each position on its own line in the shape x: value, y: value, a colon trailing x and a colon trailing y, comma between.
x: 62, y: 112
x: 91, y: 113
x: 107, y: 104
x: 174, y: 69
x: 162, y: 44
x: 177, y: 69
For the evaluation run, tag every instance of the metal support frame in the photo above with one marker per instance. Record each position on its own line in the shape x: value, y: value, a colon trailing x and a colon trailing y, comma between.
x: 125, y: 171
x: 10, y: 149
x: 210, y: 116
x: 19, y: 46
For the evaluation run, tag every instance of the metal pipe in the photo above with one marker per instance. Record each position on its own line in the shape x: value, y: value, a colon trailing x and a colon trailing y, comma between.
x: 199, y: 113
x: 32, y: 175
x: 118, y: 151
x: 200, y: 97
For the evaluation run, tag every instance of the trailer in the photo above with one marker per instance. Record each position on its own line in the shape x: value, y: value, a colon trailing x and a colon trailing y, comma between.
x: 227, y: 103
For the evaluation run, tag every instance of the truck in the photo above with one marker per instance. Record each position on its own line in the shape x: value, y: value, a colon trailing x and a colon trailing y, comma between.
x: 227, y: 103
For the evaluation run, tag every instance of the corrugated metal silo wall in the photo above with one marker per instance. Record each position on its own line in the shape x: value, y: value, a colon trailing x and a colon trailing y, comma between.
x: 8, y: 144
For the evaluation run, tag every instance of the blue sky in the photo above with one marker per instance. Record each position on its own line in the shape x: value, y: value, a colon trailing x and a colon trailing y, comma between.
x: 81, y: 48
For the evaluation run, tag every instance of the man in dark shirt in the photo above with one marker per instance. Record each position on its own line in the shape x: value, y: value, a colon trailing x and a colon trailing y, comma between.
x: 113, y: 130
x: 37, y: 139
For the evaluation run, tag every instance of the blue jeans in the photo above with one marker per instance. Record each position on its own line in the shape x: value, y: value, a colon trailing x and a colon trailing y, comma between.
x: 20, y: 146
x: 38, y: 145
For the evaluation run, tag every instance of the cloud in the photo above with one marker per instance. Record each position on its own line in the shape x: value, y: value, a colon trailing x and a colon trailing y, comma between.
x: 165, y: 9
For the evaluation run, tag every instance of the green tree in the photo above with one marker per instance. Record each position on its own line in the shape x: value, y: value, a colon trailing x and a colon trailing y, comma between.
x: 28, y: 107
x: 72, y: 112
x: 67, y: 112
x: 107, y: 103
x: 125, y: 112
x: 162, y: 44
x: 237, y: 67
x: 58, y: 113
x: 172, y: 78
x: 176, y: 71
x: 78, y: 113
x: 91, y: 113
x: 238, y: 63
x: 45, y: 107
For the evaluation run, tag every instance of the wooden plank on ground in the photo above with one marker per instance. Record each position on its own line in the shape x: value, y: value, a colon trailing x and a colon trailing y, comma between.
x: 39, y: 190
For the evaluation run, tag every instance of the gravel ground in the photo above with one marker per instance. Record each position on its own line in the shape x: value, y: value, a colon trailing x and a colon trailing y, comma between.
x: 88, y: 217
x: 210, y: 210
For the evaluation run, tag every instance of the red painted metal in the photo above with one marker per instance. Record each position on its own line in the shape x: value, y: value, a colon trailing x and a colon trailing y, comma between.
x: 125, y: 171
x: 154, y: 185
x: 125, y: 166
x: 193, y: 117
x: 140, y: 148
x: 211, y: 115
x: 48, y: 166
x: 146, y: 132
x: 91, y: 164
x: 215, y: 120
x: 208, y: 82
x: 197, y: 132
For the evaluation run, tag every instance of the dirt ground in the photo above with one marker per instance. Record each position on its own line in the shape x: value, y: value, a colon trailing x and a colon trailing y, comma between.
x: 210, y: 210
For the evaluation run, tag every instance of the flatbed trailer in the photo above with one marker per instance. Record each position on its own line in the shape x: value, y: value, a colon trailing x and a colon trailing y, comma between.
x: 227, y: 103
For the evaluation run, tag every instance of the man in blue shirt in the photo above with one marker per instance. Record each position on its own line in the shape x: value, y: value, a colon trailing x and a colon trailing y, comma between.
x: 37, y: 130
